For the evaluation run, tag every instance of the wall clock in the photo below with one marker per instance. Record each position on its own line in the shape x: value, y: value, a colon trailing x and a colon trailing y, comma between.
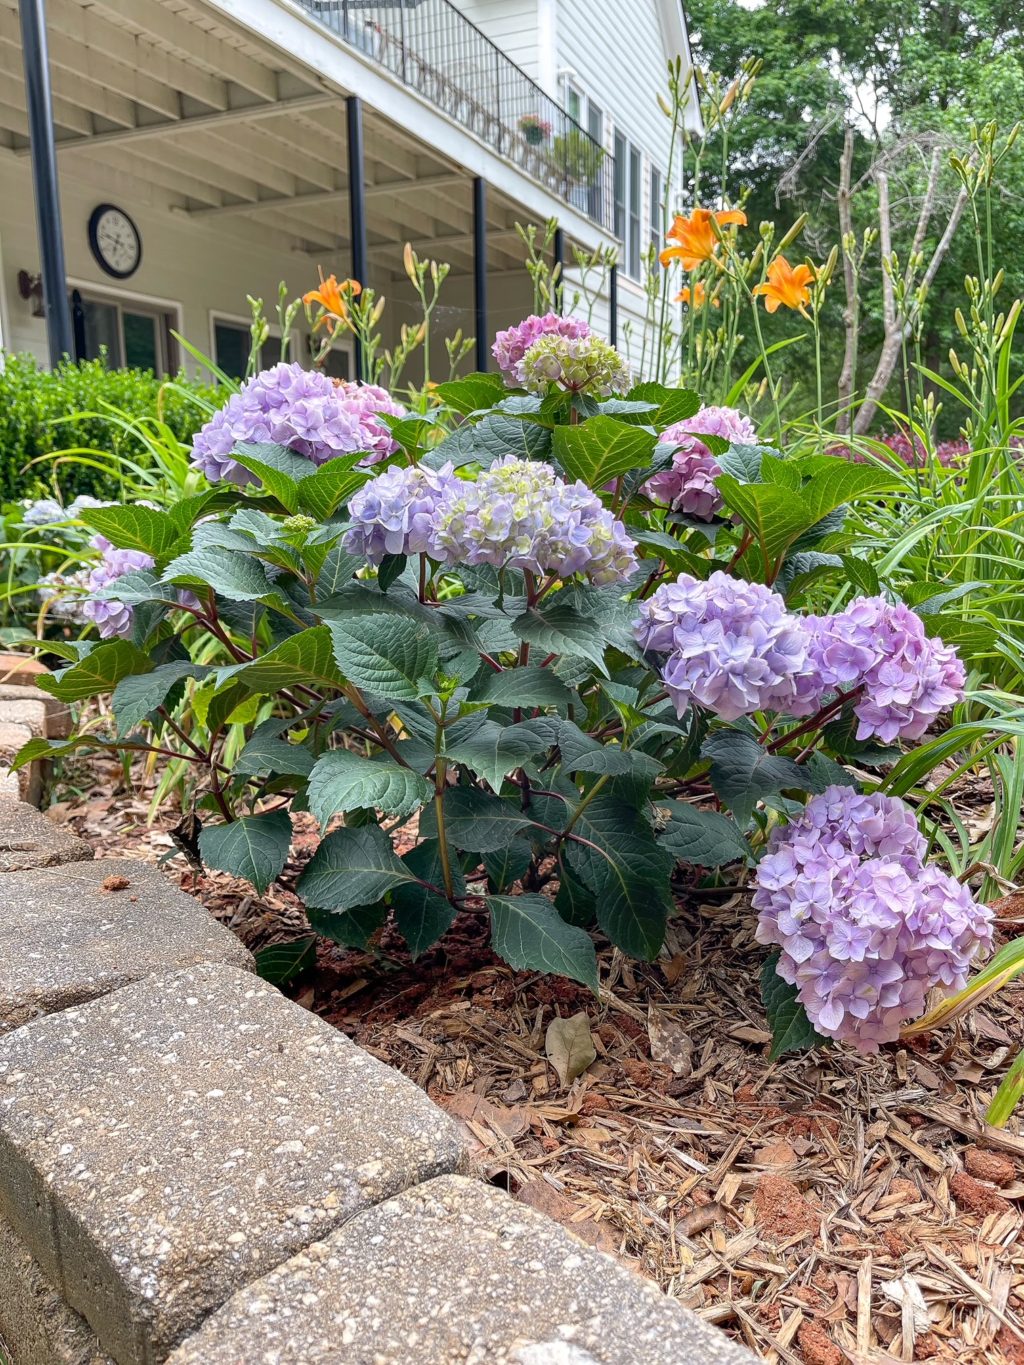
x: 115, y: 241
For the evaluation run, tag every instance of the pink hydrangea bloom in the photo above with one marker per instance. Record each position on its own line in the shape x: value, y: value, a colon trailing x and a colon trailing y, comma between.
x: 511, y: 345
x: 864, y: 928
x: 688, y: 485
x: 368, y: 402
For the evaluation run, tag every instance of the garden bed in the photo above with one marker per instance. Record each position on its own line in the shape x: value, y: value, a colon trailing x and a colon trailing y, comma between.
x: 802, y: 1205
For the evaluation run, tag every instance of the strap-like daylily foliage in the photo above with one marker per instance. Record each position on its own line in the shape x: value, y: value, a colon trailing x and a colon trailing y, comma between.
x: 560, y: 647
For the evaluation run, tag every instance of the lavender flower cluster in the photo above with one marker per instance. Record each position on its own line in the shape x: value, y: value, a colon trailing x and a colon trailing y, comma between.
x: 734, y: 648
x: 45, y: 511
x: 111, y: 616
x: 516, y: 514
x: 511, y: 346
x: 305, y: 410
x: 688, y: 485
x: 865, y: 929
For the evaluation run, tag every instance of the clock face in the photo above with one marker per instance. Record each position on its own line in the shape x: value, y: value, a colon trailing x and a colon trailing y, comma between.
x: 115, y: 241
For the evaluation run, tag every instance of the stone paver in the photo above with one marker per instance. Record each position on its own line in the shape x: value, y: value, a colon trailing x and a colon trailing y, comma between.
x: 58, y: 714
x: 35, y: 1322
x: 26, y: 783
x: 28, y: 839
x: 74, y: 932
x: 170, y: 1143
x: 454, y: 1271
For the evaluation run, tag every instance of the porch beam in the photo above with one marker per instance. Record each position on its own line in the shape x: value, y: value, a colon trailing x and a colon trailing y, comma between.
x: 246, y: 113
x: 44, y: 178
x: 382, y: 190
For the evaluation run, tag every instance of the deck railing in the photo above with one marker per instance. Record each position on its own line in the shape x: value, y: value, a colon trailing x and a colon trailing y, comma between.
x: 432, y: 47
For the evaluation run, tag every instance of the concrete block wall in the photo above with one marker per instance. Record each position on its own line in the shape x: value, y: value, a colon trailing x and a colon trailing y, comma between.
x: 195, y: 1169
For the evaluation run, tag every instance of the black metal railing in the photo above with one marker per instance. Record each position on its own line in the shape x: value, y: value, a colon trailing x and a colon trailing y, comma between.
x: 432, y: 47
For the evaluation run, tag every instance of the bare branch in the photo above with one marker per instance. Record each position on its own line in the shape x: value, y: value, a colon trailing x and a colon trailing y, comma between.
x: 851, y: 313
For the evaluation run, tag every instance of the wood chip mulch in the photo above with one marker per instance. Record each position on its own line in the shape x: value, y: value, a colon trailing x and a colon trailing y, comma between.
x: 823, y: 1209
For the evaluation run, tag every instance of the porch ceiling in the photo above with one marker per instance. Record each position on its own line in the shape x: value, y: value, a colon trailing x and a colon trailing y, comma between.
x: 232, y: 131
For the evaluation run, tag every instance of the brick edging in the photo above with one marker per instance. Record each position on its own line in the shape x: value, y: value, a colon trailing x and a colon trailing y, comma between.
x: 194, y: 1168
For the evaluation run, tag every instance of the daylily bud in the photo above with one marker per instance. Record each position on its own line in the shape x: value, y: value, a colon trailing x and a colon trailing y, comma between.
x: 794, y: 232
x: 409, y: 261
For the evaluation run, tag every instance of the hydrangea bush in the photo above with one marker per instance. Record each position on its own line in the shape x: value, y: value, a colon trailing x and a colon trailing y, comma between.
x: 560, y: 629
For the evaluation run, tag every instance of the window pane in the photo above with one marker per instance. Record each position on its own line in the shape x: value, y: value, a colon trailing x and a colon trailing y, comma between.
x: 634, y: 213
x: 338, y: 364
x: 657, y: 229
x: 231, y: 348
x: 141, y: 349
x: 573, y: 104
x: 620, y: 186
x: 595, y: 122
x: 102, y: 336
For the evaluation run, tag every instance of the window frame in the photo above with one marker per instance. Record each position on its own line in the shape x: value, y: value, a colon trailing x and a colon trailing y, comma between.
x: 166, y: 312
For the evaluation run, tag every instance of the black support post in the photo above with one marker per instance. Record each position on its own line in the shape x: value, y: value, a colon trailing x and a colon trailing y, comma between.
x: 44, y: 178
x: 357, y: 202
x: 613, y: 304
x: 483, y: 334
x: 559, y: 264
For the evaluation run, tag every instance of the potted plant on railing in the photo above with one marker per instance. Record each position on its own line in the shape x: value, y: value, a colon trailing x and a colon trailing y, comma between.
x: 577, y: 157
x: 534, y: 129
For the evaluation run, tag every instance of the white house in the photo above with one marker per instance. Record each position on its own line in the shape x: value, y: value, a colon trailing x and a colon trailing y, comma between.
x: 208, y: 149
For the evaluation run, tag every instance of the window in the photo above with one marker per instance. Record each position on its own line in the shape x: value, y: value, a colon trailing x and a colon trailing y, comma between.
x: 657, y: 221
x: 122, y: 331
x: 231, y: 344
x: 232, y: 340
x: 620, y: 187
x: 633, y: 239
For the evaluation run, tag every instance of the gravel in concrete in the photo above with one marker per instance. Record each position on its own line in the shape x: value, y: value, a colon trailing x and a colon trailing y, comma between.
x: 28, y: 840
x: 26, y: 784
x: 58, y: 715
x: 36, y: 1325
x: 454, y: 1273
x: 174, y: 1141
x: 74, y: 932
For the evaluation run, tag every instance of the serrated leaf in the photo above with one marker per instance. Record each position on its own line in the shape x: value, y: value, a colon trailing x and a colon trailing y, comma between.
x: 281, y: 963
x: 562, y: 630
x: 529, y: 934
x: 236, y: 576
x: 140, y: 693
x: 790, y: 1027
x: 336, y: 571
x: 704, y: 838
x: 306, y: 657
x: 352, y: 867
x: 507, y: 865
x: 322, y: 493
x: 626, y: 870
x: 598, y: 451
x: 582, y: 754
x: 278, y: 469
x: 135, y: 528
x: 744, y: 773
x: 670, y: 405
x: 492, y: 751
x: 350, y: 928
x: 490, y: 439
x: 254, y: 847
x: 528, y: 686
x: 476, y: 821
x: 98, y: 672
x: 574, y: 900
x: 569, y: 1047
x: 267, y: 752
x: 421, y: 914
x: 389, y: 655
x: 343, y: 781
x: 472, y: 393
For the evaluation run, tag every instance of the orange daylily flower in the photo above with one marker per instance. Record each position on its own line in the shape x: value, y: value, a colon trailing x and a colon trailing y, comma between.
x: 695, y: 236
x: 698, y: 297
x: 786, y: 286
x: 331, y: 297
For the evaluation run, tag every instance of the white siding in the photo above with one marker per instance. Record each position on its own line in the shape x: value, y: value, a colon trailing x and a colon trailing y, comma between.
x: 511, y: 25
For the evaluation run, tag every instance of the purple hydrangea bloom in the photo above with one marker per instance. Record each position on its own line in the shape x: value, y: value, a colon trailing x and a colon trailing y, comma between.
x: 908, y: 679
x: 394, y: 513
x: 576, y: 364
x: 731, y: 646
x: 511, y: 345
x: 110, y: 616
x: 688, y: 486
x: 368, y: 402
x: 520, y: 514
x: 864, y: 928
x: 304, y: 410
x: 42, y: 511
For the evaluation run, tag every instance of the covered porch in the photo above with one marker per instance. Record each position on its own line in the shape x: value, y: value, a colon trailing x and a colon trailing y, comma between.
x: 249, y: 144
